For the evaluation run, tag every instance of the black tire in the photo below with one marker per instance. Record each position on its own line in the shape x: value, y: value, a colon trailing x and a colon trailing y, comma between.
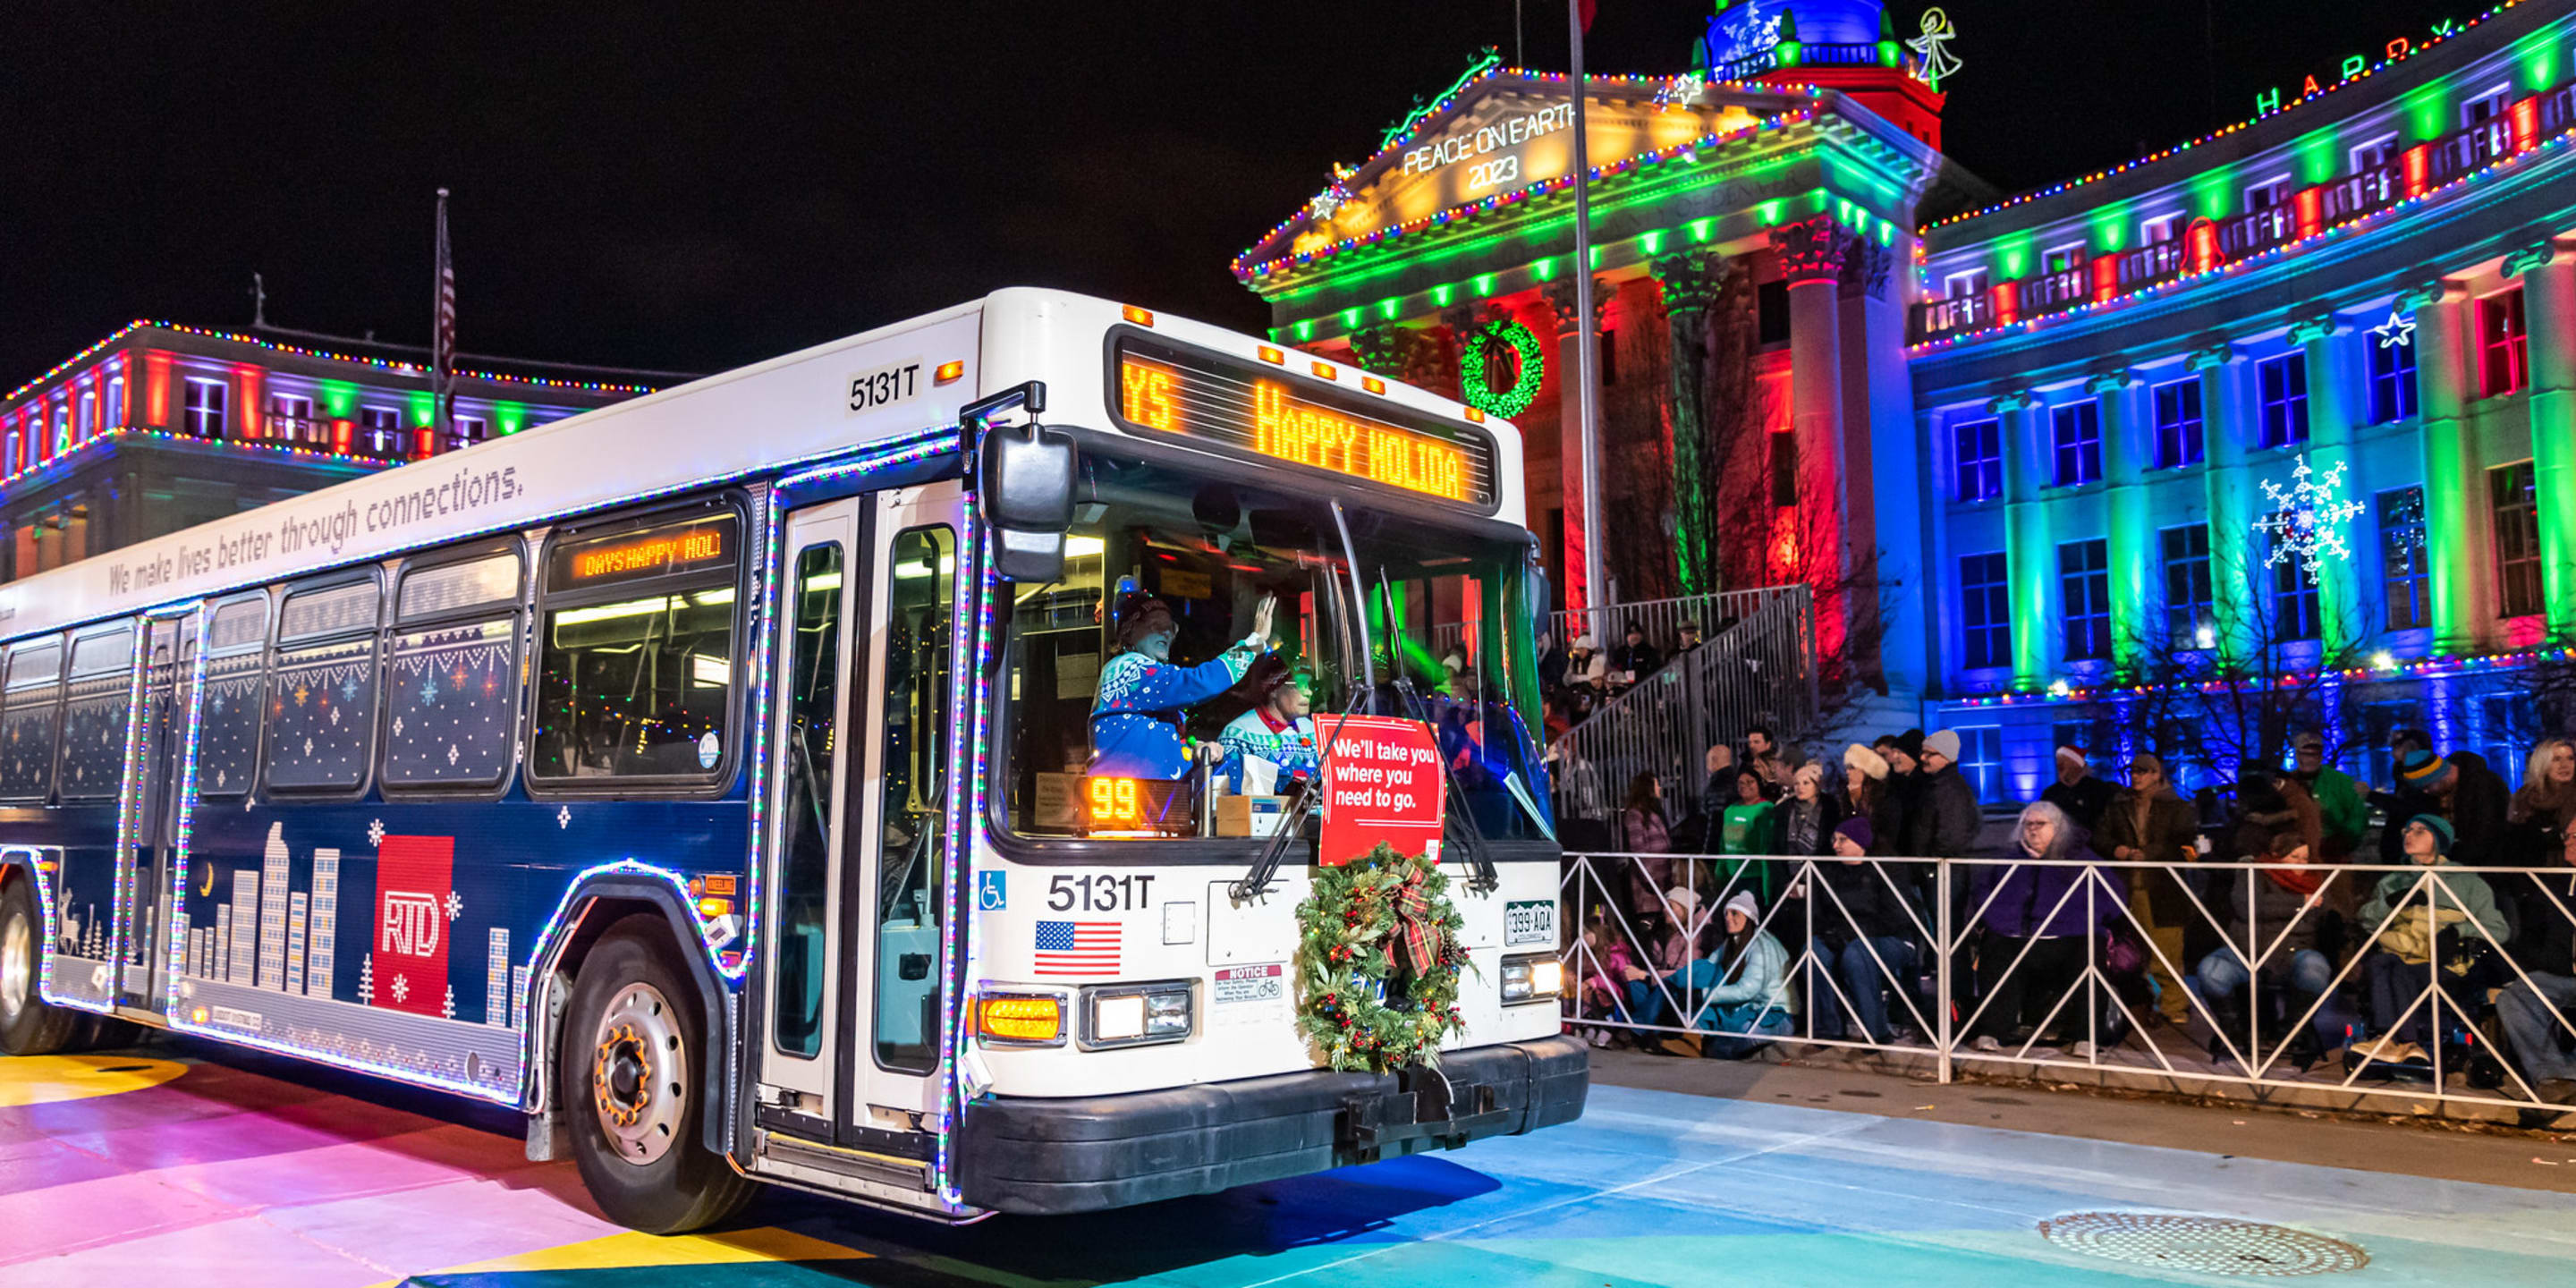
x: 101, y: 1032
x: 27, y: 1025
x: 628, y: 1087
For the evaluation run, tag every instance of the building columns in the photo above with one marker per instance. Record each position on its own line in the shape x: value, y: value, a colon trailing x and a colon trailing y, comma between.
x: 2030, y: 558
x: 2454, y: 508
x: 2124, y: 466
x: 2341, y: 620
x: 2227, y: 420
x: 2549, y: 313
x: 1569, y: 403
x: 1691, y: 283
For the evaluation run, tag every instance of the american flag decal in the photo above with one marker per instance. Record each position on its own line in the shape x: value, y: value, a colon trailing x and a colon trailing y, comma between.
x: 1077, y: 948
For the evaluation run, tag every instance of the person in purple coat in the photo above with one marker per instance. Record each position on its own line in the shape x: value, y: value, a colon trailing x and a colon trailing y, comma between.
x: 2048, y: 906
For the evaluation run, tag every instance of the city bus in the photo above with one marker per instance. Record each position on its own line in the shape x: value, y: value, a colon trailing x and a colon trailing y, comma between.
x: 516, y: 772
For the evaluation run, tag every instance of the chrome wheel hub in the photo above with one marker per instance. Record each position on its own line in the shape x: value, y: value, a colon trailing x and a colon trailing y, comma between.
x: 638, y: 1073
x: 17, y: 968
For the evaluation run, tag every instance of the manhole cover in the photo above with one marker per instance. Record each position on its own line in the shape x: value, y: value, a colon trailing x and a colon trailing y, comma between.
x: 2210, y: 1245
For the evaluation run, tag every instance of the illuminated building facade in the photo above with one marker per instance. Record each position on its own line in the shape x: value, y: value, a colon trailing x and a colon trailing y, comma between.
x: 2038, y: 439
x: 159, y: 427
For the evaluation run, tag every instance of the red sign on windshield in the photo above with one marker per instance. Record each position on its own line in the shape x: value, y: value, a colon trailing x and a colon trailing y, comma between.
x: 1382, y: 782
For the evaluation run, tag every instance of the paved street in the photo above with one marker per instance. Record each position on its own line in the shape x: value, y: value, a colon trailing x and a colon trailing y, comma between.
x: 186, y: 1164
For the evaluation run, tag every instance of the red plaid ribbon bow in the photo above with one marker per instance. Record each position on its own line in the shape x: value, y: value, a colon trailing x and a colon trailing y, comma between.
x: 1421, y: 933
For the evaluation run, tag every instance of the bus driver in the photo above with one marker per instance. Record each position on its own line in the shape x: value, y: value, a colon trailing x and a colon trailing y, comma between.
x: 1136, y: 716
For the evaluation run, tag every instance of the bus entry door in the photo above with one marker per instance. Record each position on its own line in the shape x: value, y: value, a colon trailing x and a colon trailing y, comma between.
x: 851, y: 984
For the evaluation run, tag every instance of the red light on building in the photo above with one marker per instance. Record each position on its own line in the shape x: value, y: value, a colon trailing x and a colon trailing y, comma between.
x: 2007, y: 301
x: 252, y: 419
x: 341, y: 432
x: 2200, y: 245
x: 424, y: 442
x: 2311, y: 206
x: 2106, y: 278
x: 156, y: 390
x: 2419, y: 168
x: 2526, y: 124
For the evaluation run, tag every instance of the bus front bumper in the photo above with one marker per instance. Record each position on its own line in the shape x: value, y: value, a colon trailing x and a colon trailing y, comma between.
x: 1039, y: 1156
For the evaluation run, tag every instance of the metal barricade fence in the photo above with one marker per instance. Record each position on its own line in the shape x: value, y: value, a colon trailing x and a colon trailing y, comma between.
x: 2358, y: 980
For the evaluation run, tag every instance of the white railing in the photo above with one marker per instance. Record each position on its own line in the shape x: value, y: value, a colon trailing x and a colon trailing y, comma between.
x: 1961, y: 978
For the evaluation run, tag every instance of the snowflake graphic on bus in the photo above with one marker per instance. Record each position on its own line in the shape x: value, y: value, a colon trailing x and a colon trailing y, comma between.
x: 415, y: 900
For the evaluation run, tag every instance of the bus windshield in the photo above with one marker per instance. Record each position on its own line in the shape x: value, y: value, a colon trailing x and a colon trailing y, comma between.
x: 1140, y: 665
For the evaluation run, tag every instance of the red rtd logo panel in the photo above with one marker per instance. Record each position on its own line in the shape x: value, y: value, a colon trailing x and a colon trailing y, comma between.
x: 1382, y: 782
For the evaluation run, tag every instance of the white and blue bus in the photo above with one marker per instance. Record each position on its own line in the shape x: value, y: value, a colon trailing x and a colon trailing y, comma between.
x: 517, y: 772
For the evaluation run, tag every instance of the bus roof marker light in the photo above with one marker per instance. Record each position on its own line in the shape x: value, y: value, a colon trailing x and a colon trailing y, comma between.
x: 1373, y: 384
x: 1141, y: 317
x: 1327, y: 371
x: 1476, y: 414
x: 1273, y: 356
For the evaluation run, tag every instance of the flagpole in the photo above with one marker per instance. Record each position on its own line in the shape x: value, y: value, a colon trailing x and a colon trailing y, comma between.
x: 442, y: 343
x: 1588, y: 420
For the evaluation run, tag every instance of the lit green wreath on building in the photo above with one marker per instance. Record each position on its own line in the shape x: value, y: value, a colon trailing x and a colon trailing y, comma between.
x: 1471, y: 368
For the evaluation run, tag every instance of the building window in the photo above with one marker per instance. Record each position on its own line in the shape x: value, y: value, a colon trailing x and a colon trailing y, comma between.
x: 2283, y: 385
x: 2159, y: 228
x: 2267, y: 194
x: 2058, y: 259
x: 2076, y: 431
x: 288, y: 415
x: 88, y: 414
x: 1981, y: 460
x: 1771, y: 312
x: 115, y: 401
x: 2508, y: 724
x: 2179, y: 438
x: 1607, y: 359
x: 2188, y: 615
x: 1784, y: 469
x: 1981, y: 758
x: 2392, y: 380
x: 384, y: 428
x: 2294, y: 598
x: 203, y: 407
x: 2084, y: 588
x: 471, y: 429
x: 2402, y: 565
x: 2511, y: 499
x: 1985, y: 611
x: 1958, y: 286
x: 2502, y: 357
x: 2483, y: 107
x: 2370, y: 156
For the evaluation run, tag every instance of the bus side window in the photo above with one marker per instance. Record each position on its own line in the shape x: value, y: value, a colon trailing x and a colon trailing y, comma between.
x: 35, y: 691
x: 95, y: 707
x: 635, y: 652
x: 912, y: 847
x: 452, y: 674
x: 322, y: 703
x: 228, y: 724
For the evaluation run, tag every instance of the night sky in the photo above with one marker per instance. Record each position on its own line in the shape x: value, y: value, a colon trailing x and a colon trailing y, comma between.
x: 698, y: 185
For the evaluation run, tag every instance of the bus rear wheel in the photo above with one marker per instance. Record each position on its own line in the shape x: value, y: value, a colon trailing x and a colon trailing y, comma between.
x: 630, y: 1090
x: 27, y: 1025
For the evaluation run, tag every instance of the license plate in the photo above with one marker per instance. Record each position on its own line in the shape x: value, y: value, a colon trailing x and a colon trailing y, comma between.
x: 1530, y: 921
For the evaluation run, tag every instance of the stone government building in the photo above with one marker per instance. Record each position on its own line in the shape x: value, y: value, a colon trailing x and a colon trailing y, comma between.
x: 2034, y: 442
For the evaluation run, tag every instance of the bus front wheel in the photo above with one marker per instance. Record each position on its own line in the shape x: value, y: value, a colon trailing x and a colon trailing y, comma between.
x: 27, y: 1025
x: 631, y: 1092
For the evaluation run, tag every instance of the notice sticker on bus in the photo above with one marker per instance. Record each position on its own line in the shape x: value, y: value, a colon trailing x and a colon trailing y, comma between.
x: 1249, y: 985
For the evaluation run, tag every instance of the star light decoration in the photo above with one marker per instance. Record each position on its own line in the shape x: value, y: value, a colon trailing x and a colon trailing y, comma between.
x: 2398, y: 329
x: 1682, y: 90
x: 2307, y: 518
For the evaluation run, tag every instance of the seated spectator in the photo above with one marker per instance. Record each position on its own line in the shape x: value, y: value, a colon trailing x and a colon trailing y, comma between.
x: 2477, y: 805
x: 1644, y: 835
x: 2537, y: 1012
x: 2423, y: 780
x: 1746, y: 828
x: 1868, y: 927
x: 2432, y: 928
x: 1750, y: 993
x: 1635, y: 659
x: 2147, y: 822
x: 2078, y: 791
x: 1690, y: 639
x: 1762, y: 756
x: 2039, y: 919
x: 1865, y: 787
x: 2280, y: 928
x: 1587, y: 677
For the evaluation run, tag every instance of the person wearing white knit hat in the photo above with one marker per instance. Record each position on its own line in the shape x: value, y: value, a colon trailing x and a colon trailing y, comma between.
x: 1866, y: 791
x: 1952, y: 814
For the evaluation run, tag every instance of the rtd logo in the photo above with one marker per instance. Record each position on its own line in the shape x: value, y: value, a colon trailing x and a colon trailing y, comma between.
x: 411, y: 923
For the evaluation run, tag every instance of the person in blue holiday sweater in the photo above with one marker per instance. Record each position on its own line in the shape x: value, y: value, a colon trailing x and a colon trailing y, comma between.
x: 1143, y: 697
x: 1276, y: 729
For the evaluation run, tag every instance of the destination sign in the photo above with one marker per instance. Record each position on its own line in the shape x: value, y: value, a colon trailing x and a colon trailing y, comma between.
x: 658, y: 552
x: 1266, y: 412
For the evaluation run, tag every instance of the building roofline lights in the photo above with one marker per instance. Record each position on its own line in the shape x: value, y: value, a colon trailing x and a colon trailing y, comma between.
x: 381, y: 364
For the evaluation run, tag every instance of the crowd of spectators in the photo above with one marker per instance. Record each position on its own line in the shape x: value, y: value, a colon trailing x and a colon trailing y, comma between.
x: 2336, y: 963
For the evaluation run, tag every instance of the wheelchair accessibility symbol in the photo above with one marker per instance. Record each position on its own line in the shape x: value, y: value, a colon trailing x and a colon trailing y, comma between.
x: 991, y: 892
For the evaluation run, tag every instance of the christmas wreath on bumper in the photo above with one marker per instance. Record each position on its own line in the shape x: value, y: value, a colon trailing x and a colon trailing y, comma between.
x: 1377, y: 962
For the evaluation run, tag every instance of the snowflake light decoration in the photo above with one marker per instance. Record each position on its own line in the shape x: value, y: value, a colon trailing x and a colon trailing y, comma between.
x: 2307, y: 518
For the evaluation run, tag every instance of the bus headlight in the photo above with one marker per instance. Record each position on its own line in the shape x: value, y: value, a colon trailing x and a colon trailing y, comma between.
x: 1119, y: 1015
x: 1535, y: 977
x: 1020, y: 1019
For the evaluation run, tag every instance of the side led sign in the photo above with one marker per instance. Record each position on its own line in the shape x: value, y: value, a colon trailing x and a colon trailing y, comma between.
x: 659, y: 552
x: 1200, y: 396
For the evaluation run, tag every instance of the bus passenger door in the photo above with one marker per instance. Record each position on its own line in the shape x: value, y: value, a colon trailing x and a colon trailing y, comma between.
x: 800, y: 1015
x: 168, y: 645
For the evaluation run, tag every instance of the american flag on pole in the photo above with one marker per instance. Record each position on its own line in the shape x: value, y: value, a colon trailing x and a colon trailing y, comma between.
x: 1077, y: 948
x: 442, y: 344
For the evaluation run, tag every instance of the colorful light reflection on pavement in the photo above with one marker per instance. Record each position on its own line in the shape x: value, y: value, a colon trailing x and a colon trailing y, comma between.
x: 188, y: 1166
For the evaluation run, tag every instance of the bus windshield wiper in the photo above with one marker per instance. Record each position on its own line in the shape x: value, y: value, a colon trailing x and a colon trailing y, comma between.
x: 1293, y: 826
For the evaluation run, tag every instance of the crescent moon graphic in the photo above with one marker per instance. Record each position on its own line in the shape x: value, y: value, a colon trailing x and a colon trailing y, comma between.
x: 208, y: 889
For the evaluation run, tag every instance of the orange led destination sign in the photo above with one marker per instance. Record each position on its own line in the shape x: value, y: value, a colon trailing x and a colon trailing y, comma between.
x: 663, y: 550
x: 1265, y: 413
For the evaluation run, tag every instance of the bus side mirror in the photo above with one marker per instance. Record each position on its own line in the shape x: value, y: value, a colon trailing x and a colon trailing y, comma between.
x: 1024, y: 486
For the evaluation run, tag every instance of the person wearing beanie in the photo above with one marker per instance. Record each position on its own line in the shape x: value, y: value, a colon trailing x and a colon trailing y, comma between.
x: 1865, y: 930
x: 1743, y: 985
x: 2148, y: 822
x: 2078, y: 791
x: 2424, y: 777
x: 2416, y: 948
x: 1803, y: 823
x: 1946, y: 825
